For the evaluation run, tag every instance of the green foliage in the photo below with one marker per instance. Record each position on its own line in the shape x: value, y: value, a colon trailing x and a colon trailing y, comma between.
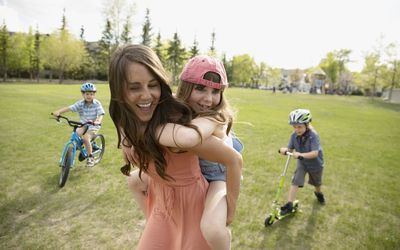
x: 146, y: 30
x: 66, y: 59
x: 96, y: 211
x: 176, y: 57
x: 19, y: 52
x: 243, y: 69
x: 161, y: 49
x: 212, y: 51
x: 194, y: 50
x: 4, y: 50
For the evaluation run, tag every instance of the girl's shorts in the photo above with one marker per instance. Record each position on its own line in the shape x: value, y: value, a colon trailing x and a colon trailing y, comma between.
x: 212, y: 171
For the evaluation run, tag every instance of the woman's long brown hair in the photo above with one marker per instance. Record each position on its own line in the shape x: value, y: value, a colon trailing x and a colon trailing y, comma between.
x: 169, y: 109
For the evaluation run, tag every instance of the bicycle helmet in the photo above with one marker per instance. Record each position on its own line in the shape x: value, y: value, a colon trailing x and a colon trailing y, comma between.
x: 88, y: 87
x: 300, y: 116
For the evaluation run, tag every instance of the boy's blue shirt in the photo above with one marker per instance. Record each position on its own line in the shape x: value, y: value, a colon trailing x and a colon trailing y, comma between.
x: 88, y: 112
x: 308, y: 142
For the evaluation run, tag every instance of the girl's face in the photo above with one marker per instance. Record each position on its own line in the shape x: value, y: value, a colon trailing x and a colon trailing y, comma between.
x: 143, y: 91
x: 204, y: 98
x: 300, y: 129
x: 88, y: 96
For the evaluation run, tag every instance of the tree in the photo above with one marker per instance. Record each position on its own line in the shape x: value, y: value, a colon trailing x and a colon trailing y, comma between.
x: 18, y: 54
x: 212, y: 51
x: 370, y: 72
x: 342, y: 57
x: 82, y: 34
x: 126, y: 31
x: 30, y: 51
x: 331, y: 68
x: 106, y: 49
x: 244, y: 69
x: 66, y: 59
x: 194, y: 50
x: 4, y: 50
x: 176, y: 56
x: 146, y: 30
x: 159, y: 48
x: 36, y: 58
x: 114, y: 10
x: 63, y: 21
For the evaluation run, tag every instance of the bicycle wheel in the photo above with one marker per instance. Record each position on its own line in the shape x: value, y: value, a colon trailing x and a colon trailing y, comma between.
x: 65, y: 166
x: 98, y: 147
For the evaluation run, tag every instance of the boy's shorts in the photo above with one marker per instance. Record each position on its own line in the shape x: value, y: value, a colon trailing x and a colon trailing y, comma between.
x: 314, y: 176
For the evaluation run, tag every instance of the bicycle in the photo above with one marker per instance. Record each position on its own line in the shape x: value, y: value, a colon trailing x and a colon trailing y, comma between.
x: 75, y: 143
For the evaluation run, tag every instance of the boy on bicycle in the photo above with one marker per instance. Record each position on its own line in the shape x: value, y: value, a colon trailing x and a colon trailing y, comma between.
x: 89, y: 109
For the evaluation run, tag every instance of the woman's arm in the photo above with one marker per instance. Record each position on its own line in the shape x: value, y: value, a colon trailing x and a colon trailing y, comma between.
x: 215, y: 150
x: 180, y: 136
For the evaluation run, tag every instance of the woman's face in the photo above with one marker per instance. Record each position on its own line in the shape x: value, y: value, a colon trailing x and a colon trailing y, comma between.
x: 204, y: 98
x: 143, y: 91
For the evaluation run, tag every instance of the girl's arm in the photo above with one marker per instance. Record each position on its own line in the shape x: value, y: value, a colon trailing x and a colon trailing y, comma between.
x: 215, y: 150
x: 180, y: 136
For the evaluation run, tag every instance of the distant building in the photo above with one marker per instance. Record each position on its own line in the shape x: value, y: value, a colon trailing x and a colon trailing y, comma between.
x: 395, y: 97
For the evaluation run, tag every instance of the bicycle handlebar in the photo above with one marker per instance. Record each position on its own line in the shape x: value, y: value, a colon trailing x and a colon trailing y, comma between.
x: 73, y: 123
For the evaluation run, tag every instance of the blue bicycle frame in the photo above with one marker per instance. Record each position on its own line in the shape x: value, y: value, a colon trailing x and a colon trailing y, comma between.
x: 76, y: 142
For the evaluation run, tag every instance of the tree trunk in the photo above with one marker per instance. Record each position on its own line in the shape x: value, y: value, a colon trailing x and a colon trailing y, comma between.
x: 393, y: 81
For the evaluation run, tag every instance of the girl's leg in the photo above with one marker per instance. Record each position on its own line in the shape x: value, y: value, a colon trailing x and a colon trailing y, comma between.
x: 138, y: 187
x: 213, y: 221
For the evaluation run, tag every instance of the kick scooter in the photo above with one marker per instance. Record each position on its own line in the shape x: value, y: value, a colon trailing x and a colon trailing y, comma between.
x: 276, y: 209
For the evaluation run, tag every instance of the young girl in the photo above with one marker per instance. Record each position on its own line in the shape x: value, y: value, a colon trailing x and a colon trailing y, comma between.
x: 141, y: 106
x: 203, y: 81
x: 308, y: 150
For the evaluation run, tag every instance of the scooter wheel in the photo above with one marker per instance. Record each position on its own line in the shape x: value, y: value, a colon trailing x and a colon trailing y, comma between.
x: 268, y: 221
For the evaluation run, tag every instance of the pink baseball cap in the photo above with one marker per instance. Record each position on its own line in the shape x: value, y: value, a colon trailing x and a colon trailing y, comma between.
x: 198, y: 66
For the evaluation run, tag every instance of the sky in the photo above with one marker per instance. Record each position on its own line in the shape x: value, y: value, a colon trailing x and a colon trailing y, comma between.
x: 282, y: 33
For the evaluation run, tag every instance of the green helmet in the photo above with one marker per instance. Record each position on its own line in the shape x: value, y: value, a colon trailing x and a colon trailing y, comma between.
x: 300, y: 116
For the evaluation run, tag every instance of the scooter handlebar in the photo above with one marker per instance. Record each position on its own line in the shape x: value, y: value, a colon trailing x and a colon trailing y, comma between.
x: 286, y: 152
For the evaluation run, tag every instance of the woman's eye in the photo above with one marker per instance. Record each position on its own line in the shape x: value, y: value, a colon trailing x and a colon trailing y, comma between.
x: 216, y: 91
x: 154, y: 85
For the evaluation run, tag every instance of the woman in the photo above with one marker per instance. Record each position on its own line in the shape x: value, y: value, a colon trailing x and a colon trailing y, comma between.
x: 141, y: 107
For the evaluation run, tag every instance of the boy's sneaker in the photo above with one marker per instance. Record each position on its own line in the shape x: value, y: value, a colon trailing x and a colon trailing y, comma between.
x: 287, y: 208
x: 320, y: 197
x: 95, y: 147
x: 81, y: 157
x: 90, y: 162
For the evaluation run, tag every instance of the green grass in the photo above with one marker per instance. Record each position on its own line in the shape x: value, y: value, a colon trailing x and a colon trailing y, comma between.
x: 94, y: 210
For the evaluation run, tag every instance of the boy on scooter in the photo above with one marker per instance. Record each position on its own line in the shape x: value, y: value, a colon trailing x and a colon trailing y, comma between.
x: 306, y: 148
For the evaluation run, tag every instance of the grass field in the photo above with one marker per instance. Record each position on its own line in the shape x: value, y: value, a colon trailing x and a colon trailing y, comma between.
x: 360, y: 137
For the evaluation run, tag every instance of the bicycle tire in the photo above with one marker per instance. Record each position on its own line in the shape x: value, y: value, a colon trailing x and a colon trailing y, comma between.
x: 98, y: 146
x: 66, y: 166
